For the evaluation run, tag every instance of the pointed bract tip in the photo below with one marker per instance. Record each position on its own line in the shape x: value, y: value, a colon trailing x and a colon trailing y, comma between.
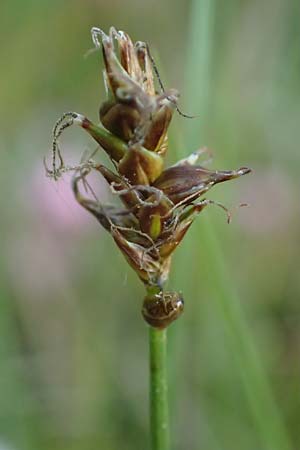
x: 244, y: 170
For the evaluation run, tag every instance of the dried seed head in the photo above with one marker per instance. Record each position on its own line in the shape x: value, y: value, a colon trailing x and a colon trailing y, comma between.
x: 159, y: 205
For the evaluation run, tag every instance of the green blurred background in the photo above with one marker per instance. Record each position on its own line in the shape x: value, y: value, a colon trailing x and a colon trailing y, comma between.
x: 73, y: 346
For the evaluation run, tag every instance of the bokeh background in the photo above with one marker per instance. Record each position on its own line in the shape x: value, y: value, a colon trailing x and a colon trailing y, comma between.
x: 73, y: 346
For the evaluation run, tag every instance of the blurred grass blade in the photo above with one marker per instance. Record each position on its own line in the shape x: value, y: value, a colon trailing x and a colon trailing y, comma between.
x: 241, y: 345
x: 239, y: 340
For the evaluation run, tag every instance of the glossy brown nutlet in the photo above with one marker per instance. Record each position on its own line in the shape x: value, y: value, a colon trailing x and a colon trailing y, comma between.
x: 160, y: 310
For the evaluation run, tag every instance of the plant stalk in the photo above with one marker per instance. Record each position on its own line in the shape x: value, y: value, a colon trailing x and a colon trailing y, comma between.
x: 159, y: 413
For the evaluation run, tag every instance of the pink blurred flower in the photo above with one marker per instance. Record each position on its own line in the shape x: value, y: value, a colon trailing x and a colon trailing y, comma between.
x: 54, y: 201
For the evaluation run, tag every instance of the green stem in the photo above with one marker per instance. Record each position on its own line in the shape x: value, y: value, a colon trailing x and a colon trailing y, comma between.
x: 159, y: 414
x: 114, y: 146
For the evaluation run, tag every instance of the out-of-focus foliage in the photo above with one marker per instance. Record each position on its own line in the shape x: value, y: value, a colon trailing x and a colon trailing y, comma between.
x: 73, y: 346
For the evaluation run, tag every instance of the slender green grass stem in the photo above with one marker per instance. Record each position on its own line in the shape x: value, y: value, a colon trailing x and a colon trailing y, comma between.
x: 267, y: 417
x: 159, y: 414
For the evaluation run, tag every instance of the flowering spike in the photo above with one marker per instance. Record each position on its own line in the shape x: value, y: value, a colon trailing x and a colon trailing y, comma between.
x: 159, y: 205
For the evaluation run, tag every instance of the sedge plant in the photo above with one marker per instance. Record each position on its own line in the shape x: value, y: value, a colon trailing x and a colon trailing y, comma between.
x: 159, y: 204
